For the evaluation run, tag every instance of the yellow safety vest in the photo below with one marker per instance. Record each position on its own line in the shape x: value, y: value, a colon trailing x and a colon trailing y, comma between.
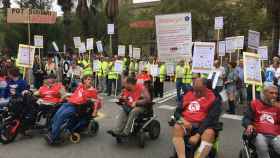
x: 162, y: 73
x: 187, y: 75
x: 112, y: 73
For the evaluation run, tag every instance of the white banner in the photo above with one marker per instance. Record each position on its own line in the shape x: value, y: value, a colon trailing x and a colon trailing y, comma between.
x: 263, y: 52
x: 219, y: 23
x: 174, y: 31
x: 203, y: 57
x: 222, y: 48
x: 136, y: 53
x: 90, y: 43
x: 38, y: 41
x: 254, y: 39
x: 121, y: 50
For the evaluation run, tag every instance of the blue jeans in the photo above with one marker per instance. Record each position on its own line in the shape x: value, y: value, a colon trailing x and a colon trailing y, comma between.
x: 65, y: 112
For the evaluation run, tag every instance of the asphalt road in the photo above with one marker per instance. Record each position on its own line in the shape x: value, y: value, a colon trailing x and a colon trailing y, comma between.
x: 105, y: 146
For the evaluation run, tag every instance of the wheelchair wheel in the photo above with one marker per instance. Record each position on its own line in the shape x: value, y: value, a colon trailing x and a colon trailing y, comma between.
x: 141, y: 139
x: 154, y: 129
x: 7, y: 135
x: 93, y: 128
x: 75, y: 138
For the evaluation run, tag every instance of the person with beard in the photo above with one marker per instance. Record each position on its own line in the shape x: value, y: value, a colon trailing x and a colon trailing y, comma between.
x: 263, y: 117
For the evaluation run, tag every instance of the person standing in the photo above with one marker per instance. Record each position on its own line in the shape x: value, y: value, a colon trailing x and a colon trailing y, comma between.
x: 220, y: 71
x: 179, y: 75
x: 231, y: 87
x: 38, y: 72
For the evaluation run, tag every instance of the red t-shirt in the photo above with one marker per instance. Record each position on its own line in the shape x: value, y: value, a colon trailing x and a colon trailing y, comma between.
x: 51, y: 94
x: 81, y: 95
x: 196, y: 109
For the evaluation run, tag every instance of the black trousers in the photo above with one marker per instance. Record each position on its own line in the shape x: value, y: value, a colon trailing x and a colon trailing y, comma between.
x: 158, y: 88
x: 110, y: 86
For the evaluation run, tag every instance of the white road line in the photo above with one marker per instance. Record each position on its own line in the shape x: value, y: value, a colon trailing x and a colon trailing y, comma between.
x: 167, y: 107
x: 232, y: 117
x: 166, y: 99
x: 166, y: 95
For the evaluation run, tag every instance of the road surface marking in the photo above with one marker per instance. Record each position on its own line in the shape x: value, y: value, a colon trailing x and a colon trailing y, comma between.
x: 167, y: 107
x: 166, y: 99
x: 232, y: 117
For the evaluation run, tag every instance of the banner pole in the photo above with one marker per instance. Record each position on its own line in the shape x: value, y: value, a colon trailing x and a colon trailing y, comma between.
x: 254, y: 91
x: 29, y: 43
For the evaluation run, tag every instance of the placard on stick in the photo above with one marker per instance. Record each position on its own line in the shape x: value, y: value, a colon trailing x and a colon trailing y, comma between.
x: 26, y: 55
x: 99, y: 46
x: 77, y: 42
x: 38, y: 41
x: 252, y: 68
x: 203, y: 57
x: 121, y: 50
x: 90, y: 43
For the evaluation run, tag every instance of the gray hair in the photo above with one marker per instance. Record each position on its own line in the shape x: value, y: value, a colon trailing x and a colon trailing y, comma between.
x: 267, y: 87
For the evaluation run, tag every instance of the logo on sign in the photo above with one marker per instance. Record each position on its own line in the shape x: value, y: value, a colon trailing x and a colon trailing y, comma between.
x: 187, y: 18
x: 194, y: 106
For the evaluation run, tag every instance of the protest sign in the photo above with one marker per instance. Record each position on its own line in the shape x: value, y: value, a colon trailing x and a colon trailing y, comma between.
x: 32, y: 16
x: 263, y: 52
x: 110, y: 29
x: 252, y: 68
x: 174, y: 31
x: 154, y: 69
x: 95, y: 65
x: 222, y: 48
x: 38, y: 41
x: 82, y: 48
x: 99, y: 46
x: 230, y: 44
x: 203, y: 57
x: 219, y: 23
x: 90, y: 44
x: 136, y: 53
x: 77, y: 42
x: 121, y: 50
x: 170, y: 69
x: 118, y: 66
x: 26, y: 55
x: 254, y: 39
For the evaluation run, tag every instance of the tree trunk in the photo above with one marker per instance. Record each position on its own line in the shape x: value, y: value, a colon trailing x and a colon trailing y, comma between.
x: 275, y: 33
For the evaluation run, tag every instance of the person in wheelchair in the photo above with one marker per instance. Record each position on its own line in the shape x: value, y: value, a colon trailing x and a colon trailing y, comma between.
x: 51, y: 93
x: 197, y: 119
x: 15, y: 85
x: 135, y: 100
x: 263, y: 117
x: 81, y: 96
